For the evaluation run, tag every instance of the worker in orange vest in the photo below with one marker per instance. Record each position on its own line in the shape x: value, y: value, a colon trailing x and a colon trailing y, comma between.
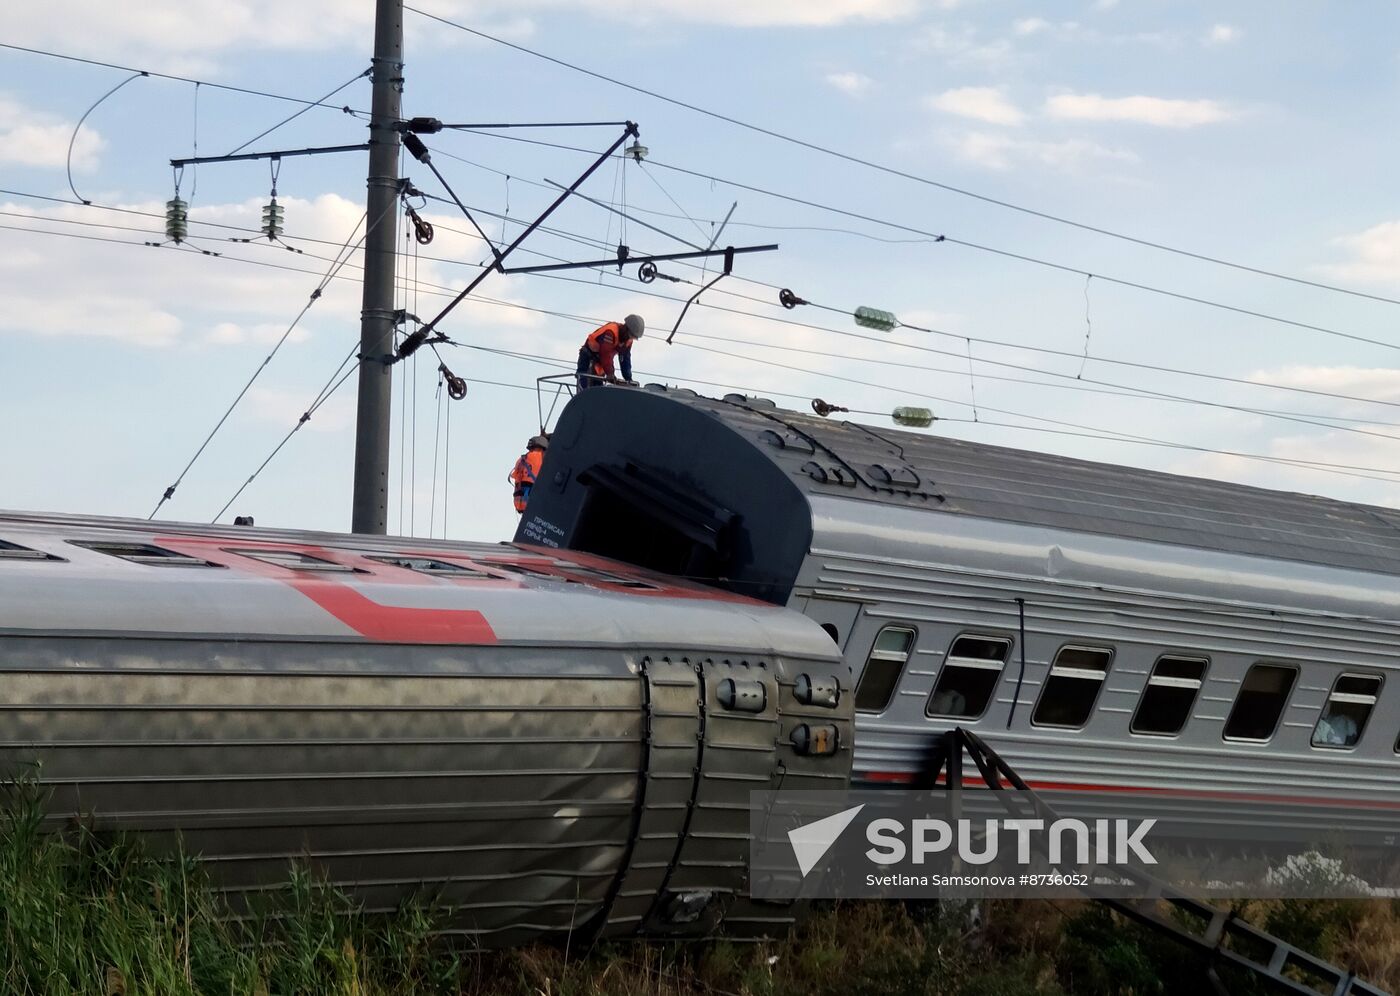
x: 527, y: 470
x: 603, y: 345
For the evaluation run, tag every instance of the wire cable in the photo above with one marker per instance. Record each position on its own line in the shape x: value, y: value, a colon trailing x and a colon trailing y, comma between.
x: 315, y: 296
x: 1248, y: 456
x: 902, y: 174
x: 169, y: 76
x: 1004, y: 253
x: 68, y: 161
x: 298, y: 113
x: 439, y: 291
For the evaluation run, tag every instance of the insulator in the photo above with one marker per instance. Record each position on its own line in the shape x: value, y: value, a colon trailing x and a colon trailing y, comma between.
x: 177, y: 220
x: 919, y: 418
x: 272, y: 219
x: 637, y: 151
x: 874, y: 318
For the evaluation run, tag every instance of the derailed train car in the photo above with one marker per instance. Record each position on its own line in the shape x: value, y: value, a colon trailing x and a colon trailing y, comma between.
x: 539, y: 743
x: 1229, y: 651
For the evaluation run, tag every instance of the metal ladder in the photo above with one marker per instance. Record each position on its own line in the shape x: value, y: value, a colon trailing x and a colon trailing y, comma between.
x: 1217, y: 935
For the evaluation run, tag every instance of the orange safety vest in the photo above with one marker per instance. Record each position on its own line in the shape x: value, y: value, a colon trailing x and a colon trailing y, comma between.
x: 524, y: 475
x: 603, y: 343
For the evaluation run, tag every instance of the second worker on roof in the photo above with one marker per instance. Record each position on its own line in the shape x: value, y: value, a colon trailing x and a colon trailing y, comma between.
x: 604, y: 345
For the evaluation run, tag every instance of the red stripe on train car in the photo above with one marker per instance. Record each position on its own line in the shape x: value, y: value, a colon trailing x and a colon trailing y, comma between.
x: 371, y: 619
x: 908, y: 777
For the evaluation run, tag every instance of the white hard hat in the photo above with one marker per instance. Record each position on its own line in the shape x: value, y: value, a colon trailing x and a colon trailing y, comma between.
x: 635, y: 326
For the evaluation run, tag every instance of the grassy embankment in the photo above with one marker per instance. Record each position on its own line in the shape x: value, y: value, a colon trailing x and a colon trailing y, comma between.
x: 84, y: 914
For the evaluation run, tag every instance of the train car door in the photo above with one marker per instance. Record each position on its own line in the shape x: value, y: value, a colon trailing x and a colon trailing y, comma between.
x: 835, y: 616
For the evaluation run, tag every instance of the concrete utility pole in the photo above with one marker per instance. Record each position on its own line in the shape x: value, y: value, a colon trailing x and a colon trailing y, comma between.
x: 370, y: 512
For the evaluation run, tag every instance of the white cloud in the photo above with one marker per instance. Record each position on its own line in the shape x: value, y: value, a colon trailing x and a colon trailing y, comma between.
x: 169, y: 297
x: 1105, y: 4
x: 33, y: 138
x: 745, y: 13
x: 283, y: 408
x: 1375, y: 255
x: 1379, y: 383
x: 265, y: 334
x: 1000, y: 152
x: 1161, y: 112
x: 1030, y: 26
x: 981, y: 103
x: 854, y: 84
x: 962, y: 46
x: 188, y: 36
x: 1221, y: 34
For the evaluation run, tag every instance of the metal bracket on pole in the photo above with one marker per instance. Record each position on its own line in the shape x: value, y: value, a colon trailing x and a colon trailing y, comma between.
x: 278, y: 154
x: 728, y: 268
x: 629, y: 132
x: 728, y: 255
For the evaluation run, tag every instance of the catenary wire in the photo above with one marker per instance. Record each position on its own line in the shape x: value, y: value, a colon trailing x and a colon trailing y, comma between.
x: 1220, y: 378
x: 902, y: 174
x: 1004, y: 253
x: 340, y: 260
x: 596, y: 243
x: 180, y: 79
x: 1342, y: 469
x: 298, y: 113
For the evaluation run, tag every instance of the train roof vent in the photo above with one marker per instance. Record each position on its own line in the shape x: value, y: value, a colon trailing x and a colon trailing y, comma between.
x: 788, y: 441
x: 143, y: 553
x: 751, y: 402
x: 897, y: 476
x: 438, y: 568
x: 295, y: 560
x: 13, y: 551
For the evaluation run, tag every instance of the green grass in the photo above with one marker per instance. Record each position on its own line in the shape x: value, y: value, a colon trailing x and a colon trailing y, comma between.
x: 90, y: 914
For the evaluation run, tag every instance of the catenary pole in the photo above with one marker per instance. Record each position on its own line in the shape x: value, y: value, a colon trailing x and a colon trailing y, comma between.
x: 370, y: 512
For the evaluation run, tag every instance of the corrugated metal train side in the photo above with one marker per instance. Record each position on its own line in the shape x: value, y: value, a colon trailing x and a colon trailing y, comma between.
x: 538, y: 744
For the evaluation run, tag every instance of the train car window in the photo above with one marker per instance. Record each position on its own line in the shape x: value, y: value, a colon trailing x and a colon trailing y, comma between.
x: 1261, y: 701
x: 883, y: 668
x: 969, y: 677
x: 1169, y: 697
x: 1344, y: 717
x: 427, y: 565
x: 295, y: 560
x: 533, y: 572
x: 13, y: 551
x: 143, y: 553
x: 1072, y: 687
x: 607, y: 577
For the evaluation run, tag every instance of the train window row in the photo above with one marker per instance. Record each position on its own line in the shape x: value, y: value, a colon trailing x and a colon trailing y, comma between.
x: 150, y: 555
x: 974, y: 665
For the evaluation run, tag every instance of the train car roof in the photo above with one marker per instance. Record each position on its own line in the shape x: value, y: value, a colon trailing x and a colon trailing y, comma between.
x: 943, y: 475
x: 82, y: 575
x: 836, y: 458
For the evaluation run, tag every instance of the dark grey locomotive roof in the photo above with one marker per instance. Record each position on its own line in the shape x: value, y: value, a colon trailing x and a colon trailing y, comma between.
x: 832, y: 457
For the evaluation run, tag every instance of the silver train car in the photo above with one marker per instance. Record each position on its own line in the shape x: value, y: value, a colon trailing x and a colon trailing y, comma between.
x: 1109, y: 631
x: 537, y: 742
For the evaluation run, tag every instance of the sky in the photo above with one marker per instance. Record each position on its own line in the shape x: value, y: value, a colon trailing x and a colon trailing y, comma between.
x: 1255, y: 133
